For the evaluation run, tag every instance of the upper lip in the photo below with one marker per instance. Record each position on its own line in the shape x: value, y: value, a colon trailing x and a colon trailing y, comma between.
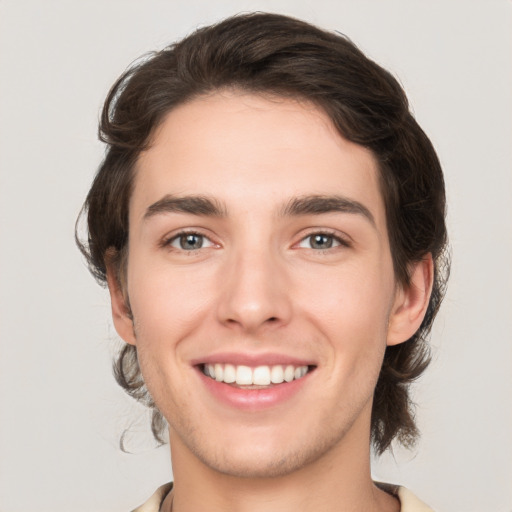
x: 252, y: 360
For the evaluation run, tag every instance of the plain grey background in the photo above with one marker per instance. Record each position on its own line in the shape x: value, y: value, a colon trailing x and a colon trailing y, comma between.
x: 61, y: 414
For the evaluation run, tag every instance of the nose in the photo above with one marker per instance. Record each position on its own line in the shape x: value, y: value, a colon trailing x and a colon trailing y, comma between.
x: 255, y: 292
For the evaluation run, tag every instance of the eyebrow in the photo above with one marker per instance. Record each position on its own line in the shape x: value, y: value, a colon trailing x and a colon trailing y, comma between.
x: 195, y: 205
x: 297, y: 206
x: 320, y: 204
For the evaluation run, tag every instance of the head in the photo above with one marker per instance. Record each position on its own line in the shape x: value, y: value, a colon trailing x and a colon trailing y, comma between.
x: 275, y: 57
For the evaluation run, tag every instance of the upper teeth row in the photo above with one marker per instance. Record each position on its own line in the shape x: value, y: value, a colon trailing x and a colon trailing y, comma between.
x: 260, y: 376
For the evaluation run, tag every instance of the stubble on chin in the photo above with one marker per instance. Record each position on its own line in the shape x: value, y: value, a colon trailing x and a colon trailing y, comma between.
x: 249, y: 464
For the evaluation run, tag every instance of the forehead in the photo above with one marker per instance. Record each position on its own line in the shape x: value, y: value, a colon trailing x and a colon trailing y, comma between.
x: 254, y: 151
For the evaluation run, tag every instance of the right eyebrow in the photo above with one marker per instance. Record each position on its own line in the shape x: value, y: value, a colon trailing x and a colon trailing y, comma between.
x: 320, y: 204
x: 195, y: 205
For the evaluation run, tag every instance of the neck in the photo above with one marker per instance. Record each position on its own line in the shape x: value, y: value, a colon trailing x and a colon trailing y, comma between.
x: 338, y: 480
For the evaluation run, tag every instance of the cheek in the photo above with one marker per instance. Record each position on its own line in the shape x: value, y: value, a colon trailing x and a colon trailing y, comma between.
x: 353, y: 299
x: 166, y: 305
x: 167, y: 308
x: 351, y: 311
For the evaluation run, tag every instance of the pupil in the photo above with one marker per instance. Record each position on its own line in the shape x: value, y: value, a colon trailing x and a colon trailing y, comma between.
x: 322, y: 242
x: 191, y: 242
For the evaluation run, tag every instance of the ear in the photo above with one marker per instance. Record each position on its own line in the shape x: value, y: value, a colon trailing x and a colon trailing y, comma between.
x: 411, y: 302
x: 121, y: 314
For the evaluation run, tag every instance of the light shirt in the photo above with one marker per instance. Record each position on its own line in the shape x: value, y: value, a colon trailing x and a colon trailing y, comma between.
x: 408, y: 501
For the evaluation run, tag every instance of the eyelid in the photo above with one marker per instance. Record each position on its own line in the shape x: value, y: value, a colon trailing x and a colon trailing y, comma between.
x: 341, y: 239
x: 167, y: 240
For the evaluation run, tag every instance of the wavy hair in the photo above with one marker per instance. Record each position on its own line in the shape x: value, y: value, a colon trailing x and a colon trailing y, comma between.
x: 270, y: 53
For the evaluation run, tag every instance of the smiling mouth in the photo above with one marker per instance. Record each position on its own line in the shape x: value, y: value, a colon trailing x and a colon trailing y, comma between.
x: 246, y: 376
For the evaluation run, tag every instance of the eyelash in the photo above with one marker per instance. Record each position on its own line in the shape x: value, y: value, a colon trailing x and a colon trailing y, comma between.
x: 168, y: 242
x: 334, y: 238
x: 340, y: 241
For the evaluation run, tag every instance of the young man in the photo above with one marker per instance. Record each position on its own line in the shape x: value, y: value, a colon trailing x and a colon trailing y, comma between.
x: 269, y: 218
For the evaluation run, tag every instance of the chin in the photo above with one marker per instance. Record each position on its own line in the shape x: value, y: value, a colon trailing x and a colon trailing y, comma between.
x: 266, y: 457
x: 250, y: 466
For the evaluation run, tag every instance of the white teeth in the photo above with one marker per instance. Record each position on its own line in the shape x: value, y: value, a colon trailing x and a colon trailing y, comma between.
x: 300, y: 372
x: 289, y: 373
x: 259, y: 376
x: 277, y: 375
x: 243, y: 375
x: 229, y: 374
x: 219, y: 372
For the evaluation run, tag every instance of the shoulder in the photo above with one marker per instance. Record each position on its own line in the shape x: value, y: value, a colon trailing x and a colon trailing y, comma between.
x: 410, y: 503
x: 153, y: 504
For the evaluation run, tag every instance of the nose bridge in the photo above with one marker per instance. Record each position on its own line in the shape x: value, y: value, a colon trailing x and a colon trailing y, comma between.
x: 254, y: 287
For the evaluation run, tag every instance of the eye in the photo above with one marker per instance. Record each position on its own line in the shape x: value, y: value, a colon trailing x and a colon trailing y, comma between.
x: 189, y: 242
x: 321, y: 241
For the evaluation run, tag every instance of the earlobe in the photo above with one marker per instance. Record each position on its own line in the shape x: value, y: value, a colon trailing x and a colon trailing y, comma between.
x: 411, y: 302
x: 121, y: 314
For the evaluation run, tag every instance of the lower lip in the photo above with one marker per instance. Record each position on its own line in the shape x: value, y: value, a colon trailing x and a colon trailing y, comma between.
x: 253, y: 399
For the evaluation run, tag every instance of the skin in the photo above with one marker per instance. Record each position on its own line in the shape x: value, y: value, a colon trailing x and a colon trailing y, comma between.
x: 259, y: 285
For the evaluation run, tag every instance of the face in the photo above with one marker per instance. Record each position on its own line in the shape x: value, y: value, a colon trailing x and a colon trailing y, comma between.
x: 260, y: 281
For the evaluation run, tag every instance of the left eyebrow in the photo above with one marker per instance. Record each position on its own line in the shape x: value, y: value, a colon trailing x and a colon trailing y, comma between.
x: 319, y: 204
x: 195, y: 205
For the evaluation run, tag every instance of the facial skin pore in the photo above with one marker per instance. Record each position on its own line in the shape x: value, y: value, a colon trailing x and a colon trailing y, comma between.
x: 258, y: 238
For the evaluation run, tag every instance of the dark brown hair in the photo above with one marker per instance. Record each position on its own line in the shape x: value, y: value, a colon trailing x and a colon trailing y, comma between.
x: 269, y: 53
